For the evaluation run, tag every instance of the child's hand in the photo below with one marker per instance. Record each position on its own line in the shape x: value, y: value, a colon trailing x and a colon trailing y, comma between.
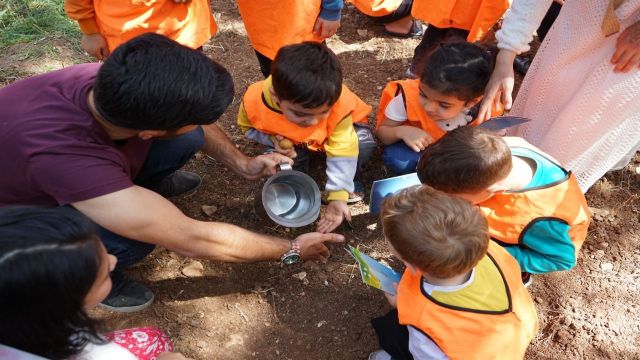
x: 627, y: 55
x: 325, y: 28
x: 284, y: 146
x: 95, y: 45
x: 415, y: 138
x: 392, y: 299
x: 336, y: 212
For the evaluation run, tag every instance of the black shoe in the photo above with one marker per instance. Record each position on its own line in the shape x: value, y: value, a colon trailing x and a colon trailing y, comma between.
x: 127, y: 295
x: 527, y: 279
x: 521, y: 64
x: 178, y: 183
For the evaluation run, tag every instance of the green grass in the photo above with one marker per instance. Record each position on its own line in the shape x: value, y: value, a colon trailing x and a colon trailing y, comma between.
x: 31, y: 21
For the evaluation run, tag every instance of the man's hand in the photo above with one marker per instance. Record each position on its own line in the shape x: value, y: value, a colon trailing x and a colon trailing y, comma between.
x: 500, y: 86
x: 264, y: 165
x: 334, y: 214
x: 95, y: 45
x: 312, y: 245
x: 415, y: 138
x: 627, y: 55
x: 325, y: 28
x: 288, y: 151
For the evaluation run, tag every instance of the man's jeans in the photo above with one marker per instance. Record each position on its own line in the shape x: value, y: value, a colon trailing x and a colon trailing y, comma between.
x: 165, y: 157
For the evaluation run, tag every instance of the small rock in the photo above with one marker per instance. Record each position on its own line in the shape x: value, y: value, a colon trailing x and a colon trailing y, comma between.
x: 603, y: 245
x: 538, y: 300
x: 209, y: 210
x: 300, y: 276
x: 201, y: 344
x: 606, y: 266
x: 193, y: 269
x: 599, y: 254
x: 305, y: 281
x: 638, y: 170
x: 362, y: 32
x: 321, y: 323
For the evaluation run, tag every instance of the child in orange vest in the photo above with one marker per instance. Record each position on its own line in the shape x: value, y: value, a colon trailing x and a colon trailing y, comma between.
x: 448, y: 19
x: 534, y: 207
x: 304, y: 104
x: 415, y: 113
x: 394, y: 14
x: 273, y: 24
x: 460, y: 296
x: 105, y: 24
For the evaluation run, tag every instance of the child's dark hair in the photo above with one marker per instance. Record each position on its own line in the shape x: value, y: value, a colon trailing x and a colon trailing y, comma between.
x: 308, y: 74
x: 49, y: 260
x: 458, y: 69
x: 465, y: 160
x: 153, y: 83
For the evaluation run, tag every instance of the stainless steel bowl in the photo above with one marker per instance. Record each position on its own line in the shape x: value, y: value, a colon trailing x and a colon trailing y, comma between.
x: 291, y: 198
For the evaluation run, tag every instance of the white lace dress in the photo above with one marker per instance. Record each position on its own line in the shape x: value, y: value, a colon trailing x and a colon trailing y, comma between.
x: 585, y: 115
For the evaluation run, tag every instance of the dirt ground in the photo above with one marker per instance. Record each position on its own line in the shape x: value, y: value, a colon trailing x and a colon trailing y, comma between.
x: 216, y: 310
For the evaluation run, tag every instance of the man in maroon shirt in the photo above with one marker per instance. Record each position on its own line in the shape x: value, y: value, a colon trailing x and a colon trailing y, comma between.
x: 109, y: 140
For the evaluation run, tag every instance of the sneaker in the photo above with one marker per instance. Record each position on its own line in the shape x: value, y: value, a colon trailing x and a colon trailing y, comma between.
x: 178, y: 183
x: 127, y: 295
x: 357, y: 194
x: 380, y: 355
x: 527, y: 279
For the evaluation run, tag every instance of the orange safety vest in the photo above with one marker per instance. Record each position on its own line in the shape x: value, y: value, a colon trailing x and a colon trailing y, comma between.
x: 272, y: 24
x: 509, y: 213
x: 469, y: 333
x: 416, y: 116
x: 271, y: 121
x: 476, y: 16
x: 376, y: 8
x: 190, y: 24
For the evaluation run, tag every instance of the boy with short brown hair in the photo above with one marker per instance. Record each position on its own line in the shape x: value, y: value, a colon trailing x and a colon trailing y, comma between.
x: 534, y: 207
x: 461, y: 296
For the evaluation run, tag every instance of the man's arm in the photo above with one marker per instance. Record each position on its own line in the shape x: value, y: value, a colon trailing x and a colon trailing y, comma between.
x: 218, y: 146
x: 141, y: 214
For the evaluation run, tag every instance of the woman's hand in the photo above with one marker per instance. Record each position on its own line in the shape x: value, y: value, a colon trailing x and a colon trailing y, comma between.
x: 627, y: 55
x: 500, y: 86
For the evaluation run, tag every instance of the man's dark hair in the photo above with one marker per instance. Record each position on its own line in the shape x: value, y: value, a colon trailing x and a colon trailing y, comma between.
x: 458, y: 69
x: 153, y: 83
x: 49, y: 260
x: 465, y: 160
x: 308, y: 74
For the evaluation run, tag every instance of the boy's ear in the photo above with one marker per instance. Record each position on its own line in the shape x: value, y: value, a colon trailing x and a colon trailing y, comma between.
x: 150, y: 134
x: 274, y: 97
x: 473, y: 102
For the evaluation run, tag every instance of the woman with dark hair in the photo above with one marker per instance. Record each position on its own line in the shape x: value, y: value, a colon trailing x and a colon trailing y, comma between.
x: 54, y: 267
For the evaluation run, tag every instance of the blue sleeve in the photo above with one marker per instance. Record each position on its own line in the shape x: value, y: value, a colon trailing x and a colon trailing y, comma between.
x: 331, y: 9
x: 545, y: 246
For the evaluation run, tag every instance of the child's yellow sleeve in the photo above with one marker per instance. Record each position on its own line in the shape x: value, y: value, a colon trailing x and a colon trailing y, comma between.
x: 342, y: 160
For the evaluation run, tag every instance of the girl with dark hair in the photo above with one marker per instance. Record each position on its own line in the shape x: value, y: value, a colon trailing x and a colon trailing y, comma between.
x: 54, y: 267
x: 415, y: 113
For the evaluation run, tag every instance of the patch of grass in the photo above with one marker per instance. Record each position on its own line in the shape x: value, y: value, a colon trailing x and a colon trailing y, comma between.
x: 29, y: 21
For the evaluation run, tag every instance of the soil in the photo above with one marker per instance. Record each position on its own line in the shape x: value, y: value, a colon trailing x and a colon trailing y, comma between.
x: 215, y: 310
